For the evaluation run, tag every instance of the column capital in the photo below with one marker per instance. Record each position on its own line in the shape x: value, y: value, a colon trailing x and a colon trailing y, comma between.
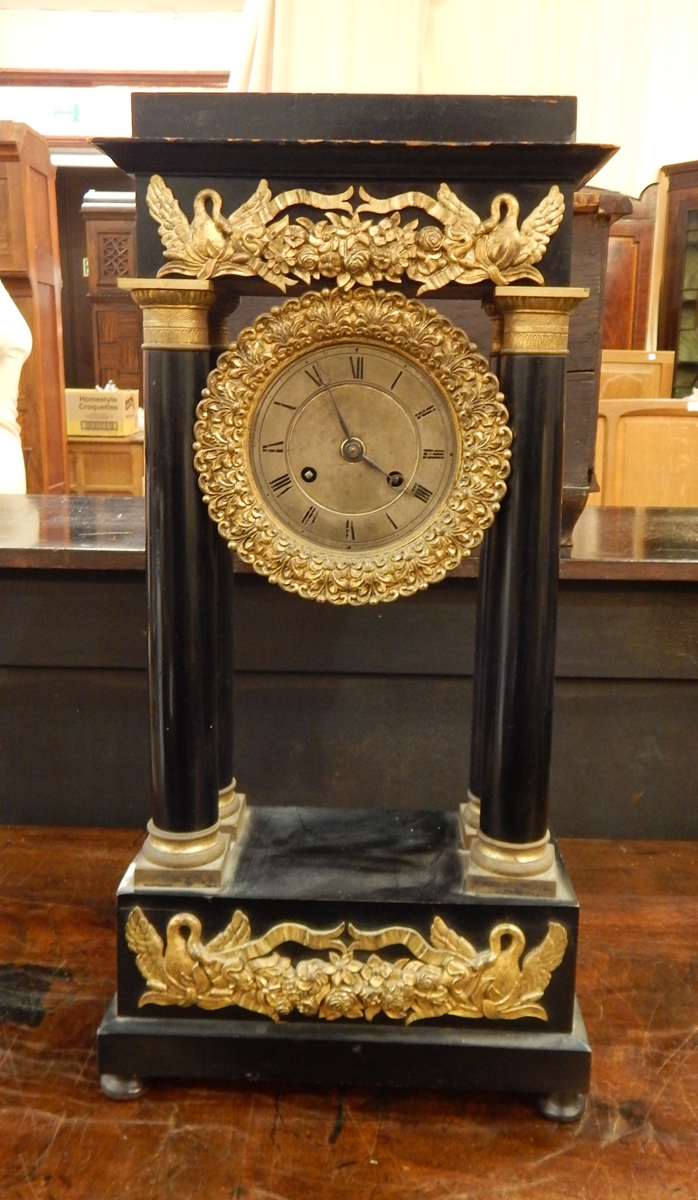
x: 536, y: 319
x: 175, y: 311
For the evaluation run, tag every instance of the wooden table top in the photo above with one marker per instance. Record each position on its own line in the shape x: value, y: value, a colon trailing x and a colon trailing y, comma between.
x: 61, y: 1139
x: 108, y: 533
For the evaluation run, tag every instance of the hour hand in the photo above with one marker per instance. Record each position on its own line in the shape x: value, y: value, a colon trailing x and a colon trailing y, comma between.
x: 371, y: 463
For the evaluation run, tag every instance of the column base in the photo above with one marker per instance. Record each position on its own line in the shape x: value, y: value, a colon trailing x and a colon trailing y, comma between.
x: 232, y: 807
x: 469, y: 820
x: 194, y: 859
x: 512, y: 869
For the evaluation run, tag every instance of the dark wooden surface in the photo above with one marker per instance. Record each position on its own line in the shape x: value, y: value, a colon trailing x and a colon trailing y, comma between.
x: 63, y: 1141
x: 107, y: 533
x: 347, y: 707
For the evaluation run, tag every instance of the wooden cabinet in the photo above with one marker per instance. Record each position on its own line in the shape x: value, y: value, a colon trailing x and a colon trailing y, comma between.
x: 106, y: 466
x: 30, y: 270
x: 678, y: 313
x: 116, y: 320
x: 628, y: 275
x: 647, y: 442
x: 636, y: 374
x: 646, y: 454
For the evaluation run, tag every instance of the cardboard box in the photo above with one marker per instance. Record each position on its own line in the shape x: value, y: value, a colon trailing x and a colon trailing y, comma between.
x: 91, y: 412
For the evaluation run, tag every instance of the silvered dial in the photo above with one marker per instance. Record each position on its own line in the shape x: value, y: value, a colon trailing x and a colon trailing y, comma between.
x: 354, y: 446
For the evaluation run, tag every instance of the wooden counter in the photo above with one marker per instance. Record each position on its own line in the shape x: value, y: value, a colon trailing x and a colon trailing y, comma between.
x: 347, y: 707
x: 62, y: 1140
x: 108, y: 533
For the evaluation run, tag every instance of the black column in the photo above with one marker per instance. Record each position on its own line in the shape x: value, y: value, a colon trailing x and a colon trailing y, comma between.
x: 478, y: 741
x: 224, y: 657
x: 181, y: 597
x: 520, y: 582
x: 481, y: 708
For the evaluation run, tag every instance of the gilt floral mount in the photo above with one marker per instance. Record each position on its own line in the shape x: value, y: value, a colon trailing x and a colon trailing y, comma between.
x: 445, y: 976
x: 354, y: 245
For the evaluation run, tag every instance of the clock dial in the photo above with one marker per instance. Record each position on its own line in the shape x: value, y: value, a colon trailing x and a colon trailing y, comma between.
x: 354, y: 447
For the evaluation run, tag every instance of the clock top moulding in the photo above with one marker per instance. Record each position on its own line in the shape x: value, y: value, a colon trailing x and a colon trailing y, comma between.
x: 479, y: 146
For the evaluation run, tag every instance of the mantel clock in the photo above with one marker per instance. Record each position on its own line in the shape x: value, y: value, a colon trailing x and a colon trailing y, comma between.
x: 351, y: 445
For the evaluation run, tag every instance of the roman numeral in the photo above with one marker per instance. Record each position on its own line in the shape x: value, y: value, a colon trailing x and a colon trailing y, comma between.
x: 314, y: 375
x: 282, y: 484
x: 280, y: 404
x: 357, y: 367
x: 349, y: 531
x: 274, y: 447
x: 398, y: 376
x: 309, y: 518
x: 425, y: 412
x: 391, y: 520
x: 421, y: 492
x: 433, y: 453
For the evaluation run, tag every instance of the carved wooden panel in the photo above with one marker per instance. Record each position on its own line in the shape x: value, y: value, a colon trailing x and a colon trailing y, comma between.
x: 117, y: 338
x: 110, y: 250
x: 116, y: 321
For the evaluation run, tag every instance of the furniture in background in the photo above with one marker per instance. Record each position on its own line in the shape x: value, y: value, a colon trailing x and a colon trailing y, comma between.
x: 72, y: 185
x: 30, y: 270
x: 631, y: 374
x: 678, y: 314
x: 117, y: 325
x: 647, y: 453
x: 106, y: 466
x: 647, y: 442
x: 628, y: 275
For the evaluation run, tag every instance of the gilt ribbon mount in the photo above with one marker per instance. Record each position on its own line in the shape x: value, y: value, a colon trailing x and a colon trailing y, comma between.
x: 445, y: 976
x: 354, y: 245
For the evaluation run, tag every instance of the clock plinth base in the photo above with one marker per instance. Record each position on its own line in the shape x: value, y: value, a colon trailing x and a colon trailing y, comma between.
x: 331, y: 1055
x: 374, y: 906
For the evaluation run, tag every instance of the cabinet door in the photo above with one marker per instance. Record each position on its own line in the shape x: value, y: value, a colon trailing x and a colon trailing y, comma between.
x: 628, y: 275
x: 678, y: 323
x: 117, y: 337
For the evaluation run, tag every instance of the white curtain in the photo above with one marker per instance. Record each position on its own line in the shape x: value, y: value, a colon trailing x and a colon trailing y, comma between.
x: 631, y: 63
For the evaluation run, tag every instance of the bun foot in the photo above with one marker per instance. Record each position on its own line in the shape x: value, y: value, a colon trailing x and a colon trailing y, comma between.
x: 565, y: 1107
x: 121, y: 1087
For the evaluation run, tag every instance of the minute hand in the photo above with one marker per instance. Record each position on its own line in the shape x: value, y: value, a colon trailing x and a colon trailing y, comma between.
x: 340, y: 418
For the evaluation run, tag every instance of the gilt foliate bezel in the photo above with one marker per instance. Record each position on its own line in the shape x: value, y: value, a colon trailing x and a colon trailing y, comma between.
x: 223, y: 460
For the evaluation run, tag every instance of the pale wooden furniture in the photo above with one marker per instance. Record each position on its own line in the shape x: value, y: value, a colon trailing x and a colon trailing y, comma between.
x: 647, y: 453
x: 30, y: 270
x: 646, y: 442
x: 629, y: 374
x: 106, y: 466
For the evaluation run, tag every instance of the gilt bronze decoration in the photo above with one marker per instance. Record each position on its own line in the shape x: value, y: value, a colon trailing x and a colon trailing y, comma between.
x: 350, y: 248
x: 387, y: 530
x: 446, y: 976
